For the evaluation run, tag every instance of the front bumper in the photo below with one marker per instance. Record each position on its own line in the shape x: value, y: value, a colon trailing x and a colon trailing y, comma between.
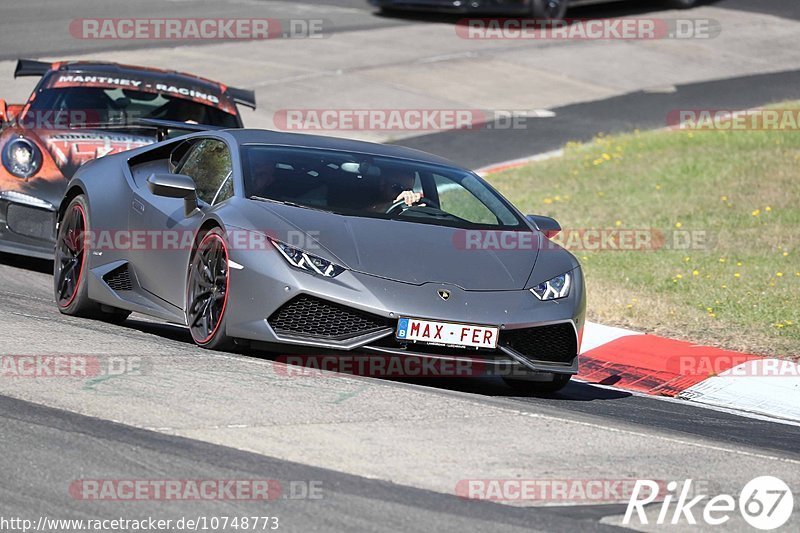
x: 263, y: 287
x: 27, y: 229
x: 488, y: 7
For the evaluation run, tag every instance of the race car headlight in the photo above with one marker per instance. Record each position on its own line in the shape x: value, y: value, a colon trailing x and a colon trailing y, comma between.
x: 553, y: 289
x: 305, y: 261
x: 22, y: 158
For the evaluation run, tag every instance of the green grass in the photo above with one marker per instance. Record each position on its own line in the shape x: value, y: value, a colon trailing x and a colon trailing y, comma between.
x: 741, y: 290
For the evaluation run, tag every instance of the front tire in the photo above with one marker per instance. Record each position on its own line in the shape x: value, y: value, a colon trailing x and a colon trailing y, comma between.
x: 207, y: 292
x: 548, y: 9
x: 544, y: 387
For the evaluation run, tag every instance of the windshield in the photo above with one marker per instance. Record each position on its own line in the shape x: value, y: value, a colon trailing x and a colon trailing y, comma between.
x: 377, y: 187
x: 97, y: 106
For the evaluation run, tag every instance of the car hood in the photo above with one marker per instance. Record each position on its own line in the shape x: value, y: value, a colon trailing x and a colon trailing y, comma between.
x: 412, y: 252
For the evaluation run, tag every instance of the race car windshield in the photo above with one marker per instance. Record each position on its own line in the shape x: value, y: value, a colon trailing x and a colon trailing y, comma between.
x: 79, y: 107
x: 375, y: 187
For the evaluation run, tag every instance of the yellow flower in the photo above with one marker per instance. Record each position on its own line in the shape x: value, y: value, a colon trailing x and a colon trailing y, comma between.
x: 695, y: 273
x: 768, y: 209
x: 756, y: 212
x: 548, y: 201
x: 721, y: 259
x: 723, y: 198
x: 678, y: 225
x: 658, y: 187
x: 607, y: 157
x: 723, y: 286
x: 779, y: 274
x: 679, y: 276
x: 618, y: 223
x: 785, y: 254
x: 709, y: 309
x: 738, y: 263
x: 737, y: 275
x: 687, y: 259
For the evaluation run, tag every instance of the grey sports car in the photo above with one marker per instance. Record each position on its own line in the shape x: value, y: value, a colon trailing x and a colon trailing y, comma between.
x: 307, y: 244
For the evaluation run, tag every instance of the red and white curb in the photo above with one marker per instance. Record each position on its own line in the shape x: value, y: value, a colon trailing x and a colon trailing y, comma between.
x: 658, y: 366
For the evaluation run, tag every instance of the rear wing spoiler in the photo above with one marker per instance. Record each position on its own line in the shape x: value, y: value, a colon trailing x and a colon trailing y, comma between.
x: 244, y: 97
x: 31, y: 67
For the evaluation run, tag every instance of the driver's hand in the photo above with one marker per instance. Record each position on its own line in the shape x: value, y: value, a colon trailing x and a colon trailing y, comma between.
x: 409, y: 197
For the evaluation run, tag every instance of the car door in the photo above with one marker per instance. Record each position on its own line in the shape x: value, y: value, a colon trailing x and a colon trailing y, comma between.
x: 170, y: 233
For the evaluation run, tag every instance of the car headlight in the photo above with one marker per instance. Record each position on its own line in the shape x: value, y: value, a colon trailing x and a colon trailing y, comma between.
x: 554, y: 289
x: 22, y: 158
x: 306, y: 261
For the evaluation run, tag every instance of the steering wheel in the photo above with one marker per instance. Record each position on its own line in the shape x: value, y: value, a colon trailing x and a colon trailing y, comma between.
x: 400, y: 205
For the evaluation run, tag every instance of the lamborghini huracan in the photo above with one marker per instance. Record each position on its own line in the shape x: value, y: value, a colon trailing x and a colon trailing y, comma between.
x: 299, y: 243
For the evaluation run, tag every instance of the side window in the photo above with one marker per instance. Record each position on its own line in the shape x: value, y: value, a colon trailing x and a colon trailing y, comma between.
x: 458, y: 201
x: 209, y: 165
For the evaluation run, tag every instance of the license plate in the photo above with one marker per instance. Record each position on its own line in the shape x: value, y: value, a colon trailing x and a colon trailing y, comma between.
x: 447, y: 333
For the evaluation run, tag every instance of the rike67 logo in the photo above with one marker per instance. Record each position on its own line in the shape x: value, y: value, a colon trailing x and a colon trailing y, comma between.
x: 765, y: 503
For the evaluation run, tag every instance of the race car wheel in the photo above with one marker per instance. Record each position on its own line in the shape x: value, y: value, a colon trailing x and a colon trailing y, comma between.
x: 70, y: 261
x: 207, y: 292
x: 548, y: 9
x: 71, y: 264
x: 545, y: 387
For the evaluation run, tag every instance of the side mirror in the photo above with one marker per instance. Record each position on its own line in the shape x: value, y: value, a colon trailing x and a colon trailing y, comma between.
x: 175, y: 186
x: 3, y: 111
x: 546, y: 225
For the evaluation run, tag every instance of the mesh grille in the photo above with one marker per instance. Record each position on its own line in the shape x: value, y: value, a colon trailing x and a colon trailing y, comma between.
x: 119, y: 279
x: 555, y: 343
x: 311, y: 317
x: 31, y: 222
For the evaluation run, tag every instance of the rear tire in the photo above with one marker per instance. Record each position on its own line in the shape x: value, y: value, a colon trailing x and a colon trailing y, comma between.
x: 70, y: 287
x: 545, y: 387
x: 207, y: 292
x: 548, y: 9
x: 70, y: 267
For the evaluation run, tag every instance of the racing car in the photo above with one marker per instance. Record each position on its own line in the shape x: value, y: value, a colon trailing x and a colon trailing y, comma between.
x: 280, y: 241
x: 79, y: 111
x: 538, y: 9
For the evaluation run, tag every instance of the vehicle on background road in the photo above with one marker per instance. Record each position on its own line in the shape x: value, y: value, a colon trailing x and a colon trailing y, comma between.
x: 79, y: 111
x: 540, y: 9
x: 294, y: 242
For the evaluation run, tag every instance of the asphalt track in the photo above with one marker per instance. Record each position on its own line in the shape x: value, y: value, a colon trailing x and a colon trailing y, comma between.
x: 45, y: 445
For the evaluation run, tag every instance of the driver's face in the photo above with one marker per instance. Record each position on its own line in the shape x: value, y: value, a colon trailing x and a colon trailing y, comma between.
x: 394, y: 184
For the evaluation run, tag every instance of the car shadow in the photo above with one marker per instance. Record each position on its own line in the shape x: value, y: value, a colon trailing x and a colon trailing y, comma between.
x: 612, y: 9
x: 43, y: 266
x: 574, y: 391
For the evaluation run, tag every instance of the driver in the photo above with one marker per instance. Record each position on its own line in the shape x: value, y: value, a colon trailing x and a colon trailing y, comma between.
x: 394, y: 185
